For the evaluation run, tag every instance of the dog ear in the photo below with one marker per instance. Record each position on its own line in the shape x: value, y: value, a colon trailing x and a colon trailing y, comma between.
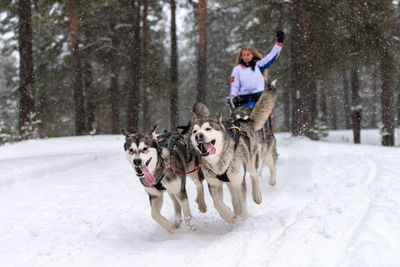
x: 201, y: 110
x: 153, y: 132
x: 218, y: 116
x: 126, y: 133
x: 194, y: 117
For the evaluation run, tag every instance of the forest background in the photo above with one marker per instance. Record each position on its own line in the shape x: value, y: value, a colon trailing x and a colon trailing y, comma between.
x: 94, y: 67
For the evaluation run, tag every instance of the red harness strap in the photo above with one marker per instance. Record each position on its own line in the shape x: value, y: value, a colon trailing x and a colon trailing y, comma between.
x: 178, y: 172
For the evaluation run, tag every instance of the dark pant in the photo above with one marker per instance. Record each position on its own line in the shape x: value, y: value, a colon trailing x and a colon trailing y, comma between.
x: 248, y: 100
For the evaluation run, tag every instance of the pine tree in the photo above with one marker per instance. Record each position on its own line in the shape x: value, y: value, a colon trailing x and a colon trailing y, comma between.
x: 133, y: 99
x: 319, y: 131
x: 174, y: 68
x: 202, y: 58
x: 76, y: 68
x: 26, y: 75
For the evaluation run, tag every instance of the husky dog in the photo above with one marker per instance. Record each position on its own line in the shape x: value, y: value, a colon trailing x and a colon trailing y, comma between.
x: 229, y: 150
x: 264, y: 137
x: 161, y: 167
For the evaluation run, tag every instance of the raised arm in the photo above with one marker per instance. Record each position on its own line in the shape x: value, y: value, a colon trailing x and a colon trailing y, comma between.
x: 273, y: 54
x: 270, y: 58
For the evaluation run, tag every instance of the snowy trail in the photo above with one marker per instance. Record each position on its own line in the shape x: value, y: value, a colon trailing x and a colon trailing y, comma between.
x: 303, y: 214
x: 76, y: 202
x: 379, y: 231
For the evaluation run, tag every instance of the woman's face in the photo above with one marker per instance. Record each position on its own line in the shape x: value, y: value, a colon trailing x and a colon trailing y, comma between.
x: 247, y: 56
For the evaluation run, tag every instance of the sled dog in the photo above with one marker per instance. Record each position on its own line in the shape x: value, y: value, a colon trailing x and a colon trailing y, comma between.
x: 161, y: 163
x: 264, y: 138
x: 231, y: 149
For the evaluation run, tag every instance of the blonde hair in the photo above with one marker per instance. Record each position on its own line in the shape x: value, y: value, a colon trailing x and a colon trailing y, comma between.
x: 255, y: 53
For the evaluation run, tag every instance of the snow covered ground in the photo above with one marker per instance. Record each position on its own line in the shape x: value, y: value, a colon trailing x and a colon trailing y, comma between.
x: 75, y: 201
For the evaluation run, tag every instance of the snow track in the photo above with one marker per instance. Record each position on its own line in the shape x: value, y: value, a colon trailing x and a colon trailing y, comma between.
x: 76, y: 202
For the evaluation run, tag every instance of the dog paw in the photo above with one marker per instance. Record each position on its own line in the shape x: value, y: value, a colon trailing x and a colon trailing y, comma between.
x: 187, y: 219
x: 257, y: 197
x: 230, y: 218
x: 272, y: 181
x: 170, y: 228
x: 193, y: 228
x: 177, y: 223
x: 202, y: 208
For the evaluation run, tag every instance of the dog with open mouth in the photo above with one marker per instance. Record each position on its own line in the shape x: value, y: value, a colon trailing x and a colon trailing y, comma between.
x: 162, y: 167
x: 229, y: 150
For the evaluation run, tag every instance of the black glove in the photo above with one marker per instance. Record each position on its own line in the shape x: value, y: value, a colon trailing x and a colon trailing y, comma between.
x: 280, y: 36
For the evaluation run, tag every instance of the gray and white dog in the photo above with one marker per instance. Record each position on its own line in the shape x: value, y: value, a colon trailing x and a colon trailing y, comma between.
x: 231, y: 149
x: 264, y: 137
x: 161, y: 163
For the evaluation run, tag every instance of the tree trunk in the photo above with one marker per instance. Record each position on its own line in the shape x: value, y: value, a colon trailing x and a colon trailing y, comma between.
x: 387, y: 67
x: 374, y: 100
x: 43, y: 108
x: 314, y: 103
x: 356, y: 108
x: 322, y: 102
x: 147, y: 110
x: 387, y: 74
x: 346, y: 100
x: 202, y: 61
x: 295, y: 47
x: 76, y: 69
x: 89, y: 98
x: 300, y: 71
x: 96, y: 98
x: 286, y: 110
x: 114, y: 90
x: 174, y: 69
x: 165, y: 122
x: 332, y: 107
x: 26, y: 77
x: 398, y: 104
x: 398, y: 84
x: 133, y: 99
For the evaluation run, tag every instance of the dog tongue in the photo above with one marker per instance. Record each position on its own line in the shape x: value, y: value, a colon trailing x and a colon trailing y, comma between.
x: 210, y: 148
x: 147, y: 174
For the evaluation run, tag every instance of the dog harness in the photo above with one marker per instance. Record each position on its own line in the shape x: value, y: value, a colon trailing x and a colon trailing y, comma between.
x: 235, y: 133
x: 169, y: 167
x: 157, y: 185
x: 234, y: 127
x: 172, y: 139
x: 223, y: 177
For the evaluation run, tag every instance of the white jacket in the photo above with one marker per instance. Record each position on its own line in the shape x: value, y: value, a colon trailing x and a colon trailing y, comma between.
x: 246, y: 81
